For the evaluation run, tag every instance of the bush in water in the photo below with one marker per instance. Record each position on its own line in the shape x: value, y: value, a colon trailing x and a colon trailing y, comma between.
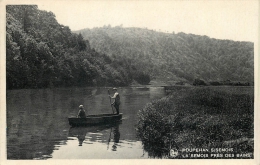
x: 200, y: 118
x: 155, y: 126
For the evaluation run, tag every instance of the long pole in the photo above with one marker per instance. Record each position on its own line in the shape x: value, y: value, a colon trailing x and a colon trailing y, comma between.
x: 109, y: 139
x: 110, y: 100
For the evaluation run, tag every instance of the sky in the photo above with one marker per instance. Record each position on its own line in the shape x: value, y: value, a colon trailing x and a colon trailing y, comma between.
x: 236, y: 20
x: 229, y: 19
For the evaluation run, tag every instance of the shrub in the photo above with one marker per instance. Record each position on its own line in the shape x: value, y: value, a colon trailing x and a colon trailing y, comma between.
x: 199, y: 82
x: 195, y: 117
x: 142, y: 78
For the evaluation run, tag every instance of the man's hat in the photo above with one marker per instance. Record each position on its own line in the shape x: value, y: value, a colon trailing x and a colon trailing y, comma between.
x: 81, y: 107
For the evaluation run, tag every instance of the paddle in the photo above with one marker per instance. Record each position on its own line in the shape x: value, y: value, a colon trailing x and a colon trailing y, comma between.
x: 110, y: 100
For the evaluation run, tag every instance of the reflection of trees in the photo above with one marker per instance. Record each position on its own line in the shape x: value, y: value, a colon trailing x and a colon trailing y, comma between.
x: 35, y: 122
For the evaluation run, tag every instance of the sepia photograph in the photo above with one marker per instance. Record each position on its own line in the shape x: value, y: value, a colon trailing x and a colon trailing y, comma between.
x: 129, y: 80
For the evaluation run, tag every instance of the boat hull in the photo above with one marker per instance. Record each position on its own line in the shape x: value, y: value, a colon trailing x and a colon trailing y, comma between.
x: 95, y: 119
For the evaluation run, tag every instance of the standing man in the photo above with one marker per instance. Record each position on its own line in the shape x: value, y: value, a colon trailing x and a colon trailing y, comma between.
x: 116, y: 102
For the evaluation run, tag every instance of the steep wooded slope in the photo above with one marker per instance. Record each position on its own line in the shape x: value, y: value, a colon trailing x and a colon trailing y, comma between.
x: 41, y: 53
x: 178, y: 57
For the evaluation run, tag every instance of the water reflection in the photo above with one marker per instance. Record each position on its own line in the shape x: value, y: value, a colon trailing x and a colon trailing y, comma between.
x: 95, y: 131
x: 116, y: 137
x: 37, y: 124
x: 160, y: 148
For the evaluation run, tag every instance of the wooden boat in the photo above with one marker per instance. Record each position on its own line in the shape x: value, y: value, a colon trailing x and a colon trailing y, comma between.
x: 95, y: 119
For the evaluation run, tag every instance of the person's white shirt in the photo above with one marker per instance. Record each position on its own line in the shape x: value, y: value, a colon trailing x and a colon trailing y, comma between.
x: 115, y: 95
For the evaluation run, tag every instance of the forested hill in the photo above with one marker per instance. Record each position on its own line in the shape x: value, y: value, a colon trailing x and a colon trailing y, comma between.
x: 177, y: 57
x: 42, y: 53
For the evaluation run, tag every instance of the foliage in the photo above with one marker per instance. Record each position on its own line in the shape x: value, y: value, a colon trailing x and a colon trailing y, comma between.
x: 182, y: 57
x: 197, y: 117
x: 42, y: 53
x: 142, y: 78
x: 199, y: 82
x: 230, y: 83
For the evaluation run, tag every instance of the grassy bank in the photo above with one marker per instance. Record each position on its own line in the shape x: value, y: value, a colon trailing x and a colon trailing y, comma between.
x: 198, y: 118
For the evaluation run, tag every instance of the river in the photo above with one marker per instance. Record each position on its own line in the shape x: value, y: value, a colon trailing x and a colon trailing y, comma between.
x: 37, y: 124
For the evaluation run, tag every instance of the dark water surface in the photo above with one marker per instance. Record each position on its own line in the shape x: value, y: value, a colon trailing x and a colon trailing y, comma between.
x: 37, y: 124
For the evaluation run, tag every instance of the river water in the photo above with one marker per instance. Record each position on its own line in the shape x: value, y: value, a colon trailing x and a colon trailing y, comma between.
x: 37, y: 123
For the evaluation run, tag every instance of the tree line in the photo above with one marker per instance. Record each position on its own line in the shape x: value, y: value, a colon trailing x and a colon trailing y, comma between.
x: 42, y: 53
x: 179, y: 57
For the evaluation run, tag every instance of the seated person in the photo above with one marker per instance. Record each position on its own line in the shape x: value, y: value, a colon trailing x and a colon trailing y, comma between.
x: 82, y: 113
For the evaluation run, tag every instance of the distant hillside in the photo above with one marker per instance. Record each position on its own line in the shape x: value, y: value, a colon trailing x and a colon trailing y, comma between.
x: 42, y: 53
x: 175, y: 57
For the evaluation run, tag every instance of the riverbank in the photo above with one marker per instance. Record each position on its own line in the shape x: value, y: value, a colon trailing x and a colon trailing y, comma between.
x: 204, y: 117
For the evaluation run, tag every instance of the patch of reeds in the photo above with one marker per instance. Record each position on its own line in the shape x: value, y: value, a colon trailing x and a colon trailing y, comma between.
x: 197, y: 117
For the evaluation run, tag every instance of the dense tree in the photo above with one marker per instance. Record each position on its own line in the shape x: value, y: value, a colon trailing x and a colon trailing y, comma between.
x: 179, y: 57
x: 42, y: 53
